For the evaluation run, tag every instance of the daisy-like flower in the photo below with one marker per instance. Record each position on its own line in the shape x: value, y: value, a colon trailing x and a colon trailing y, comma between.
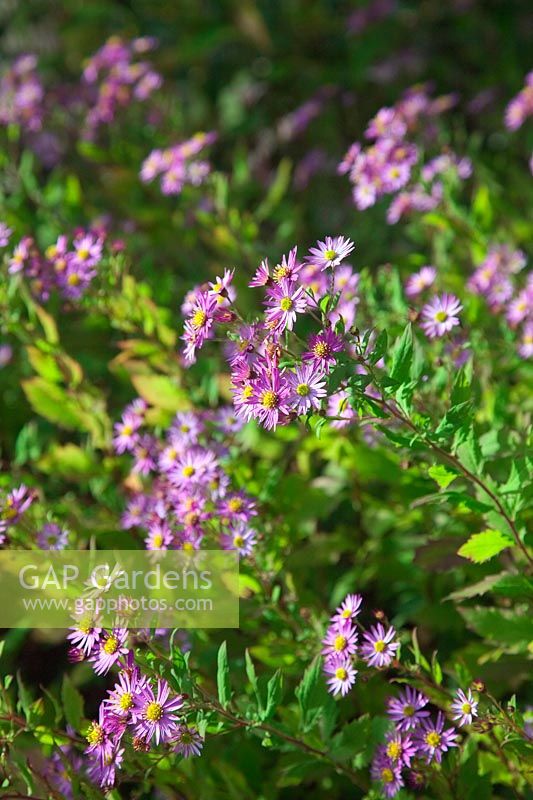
x: 195, y: 466
x: 14, y: 505
x: 221, y: 289
x: 526, y: 344
x: 350, y: 608
x: 159, y: 536
x: 108, y: 650
x: 126, y: 433
x: 285, y: 300
x: 378, y: 648
x: 340, y: 639
x: 465, y: 707
x: 440, y: 315
x: 188, y: 742
x: 261, y: 276
x: 155, y: 712
x: 103, y: 768
x: 307, y: 388
x: 84, y: 635
x: 322, y: 349
x: 270, y: 397
x: 5, y: 234
x: 433, y: 740
x: 388, y: 774
x: 408, y: 709
x: 87, y: 250
x: 331, y: 252
x: 341, y: 674
x: 52, y: 537
x: 241, y: 539
x: 421, y: 280
x: 121, y: 700
x: 237, y: 506
x: 400, y: 748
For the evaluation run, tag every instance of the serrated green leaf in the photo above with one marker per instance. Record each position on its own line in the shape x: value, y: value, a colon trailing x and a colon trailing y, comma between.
x: 402, y: 356
x: 442, y: 475
x: 484, y: 546
x: 274, y: 695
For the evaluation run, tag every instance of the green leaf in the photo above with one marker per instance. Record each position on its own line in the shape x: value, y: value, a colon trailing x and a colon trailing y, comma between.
x: 506, y: 627
x: 53, y: 403
x: 312, y: 694
x: 402, y: 356
x: 252, y: 677
x: 274, y: 694
x: 380, y: 347
x: 161, y: 392
x: 25, y: 699
x: 514, y: 586
x: 72, y: 703
x: 223, y: 683
x: 484, y: 546
x: 351, y: 740
x: 442, y: 475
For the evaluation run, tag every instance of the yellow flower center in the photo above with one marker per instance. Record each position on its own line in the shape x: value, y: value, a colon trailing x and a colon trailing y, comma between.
x: 73, y: 279
x: 340, y: 643
x: 379, y: 646
x: 433, y: 739
x: 341, y: 674
x: 95, y: 734
x: 238, y: 541
x: 281, y: 272
x: 302, y: 389
x: 394, y: 750
x: 441, y: 316
x: 188, y: 547
x: 184, y: 428
x: 126, y: 701
x: 157, y: 541
x: 321, y: 349
x: 127, y: 430
x: 346, y: 613
x: 199, y: 318
x: 153, y: 712
x: 408, y: 711
x: 60, y: 265
x: 285, y: 304
x: 188, y: 471
x: 269, y: 399
x: 387, y: 775
x: 330, y: 254
x: 247, y: 392
x: 111, y: 645
x: 466, y: 708
x: 217, y: 287
x: 83, y: 254
x: 235, y: 504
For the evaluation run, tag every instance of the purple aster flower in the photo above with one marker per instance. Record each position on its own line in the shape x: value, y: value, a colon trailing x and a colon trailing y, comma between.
x: 109, y: 648
x: 439, y: 316
x: 285, y: 300
x: 322, y: 349
x: 154, y: 713
x: 520, y: 307
x: 378, y: 648
x: 104, y: 766
x: 408, y: 709
x: 341, y: 674
x: 421, y: 280
x: 400, y: 748
x: 84, y: 635
x: 270, y: 397
x: 288, y: 268
x: 330, y: 252
x: 237, y: 506
x: 261, y: 275
x: 433, y: 740
x: 144, y: 453
x: 340, y: 639
x: 126, y: 433
x: 20, y: 255
x: 87, y: 250
x: 465, y: 707
x: 121, y: 700
x: 389, y: 775
x: 350, y: 608
x: 241, y: 538
x: 52, y: 537
x: 199, y: 327
x: 526, y: 344
x: 187, y: 742
x: 5, y: 234
x: 159, y: 536
x: 196, y: 466
x: 14, y: 505
x: 307, y: 388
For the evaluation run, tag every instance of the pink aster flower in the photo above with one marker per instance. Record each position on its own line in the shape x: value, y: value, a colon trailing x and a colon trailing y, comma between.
x: 85, y: 635
x: 159, y: 536
x: 126, y: 433
x: 421, y: 280
x: 388, y: 774
x: 526, y: 344
x: 341, y: 674
x: 520, y: 307
x: 400, y: 748
x: 16, y: 502
x: 284, y: 300
x: 465, y: 707
x: 109, y: 648
x: 87, y: 250
x: 432, y: 740
x: 187, y: 742
x: 330, y: 252
x: 155, y: 713
x: 408, y: 709
x: 5, y: 234
x: 261, y: 275
x: 270, y: 397
x: 340, y: 639
x: 322, y: 349
x: 350, y: 608
x: 307, y: 388
x: 241, y: 538
x: 378, y: 648
x: 439, y: 316
x: 288, y: 268
x: 121, y: 700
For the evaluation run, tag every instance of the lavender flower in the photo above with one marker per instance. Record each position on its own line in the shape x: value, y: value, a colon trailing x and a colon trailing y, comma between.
x: 408, y: 709
x: 465, y: 707
x: 331, y: 252
x: 439, y: 316
x: 378, y: 648
x: 155, y: 712
x: 108, y: 650
x: 433, y: 740
x: 307, y: 388
x: 187, y: 742
x: 341, y: 674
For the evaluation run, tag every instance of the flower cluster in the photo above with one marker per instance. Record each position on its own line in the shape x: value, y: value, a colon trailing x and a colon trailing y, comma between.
x: 386, y: 166
x: 191, y: 495
x: 22, y: 95
x: 151, y: 714
x: 521, y: 106
x: 67, y: 268
x: 177, y: 166
x: 494, y: 279
x: 341, y: 646
x: 118, y: 78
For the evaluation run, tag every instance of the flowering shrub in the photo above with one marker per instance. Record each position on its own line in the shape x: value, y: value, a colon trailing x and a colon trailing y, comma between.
x: 207, y: 343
